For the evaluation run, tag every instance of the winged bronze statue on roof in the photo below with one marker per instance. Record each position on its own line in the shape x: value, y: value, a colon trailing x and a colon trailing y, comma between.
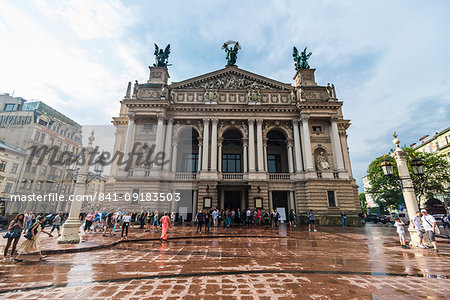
x: 301, y: 60
x: 161, y: 57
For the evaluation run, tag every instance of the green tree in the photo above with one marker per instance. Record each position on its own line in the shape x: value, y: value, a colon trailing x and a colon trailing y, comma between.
x: 363, y: 201
x: 387, y: 191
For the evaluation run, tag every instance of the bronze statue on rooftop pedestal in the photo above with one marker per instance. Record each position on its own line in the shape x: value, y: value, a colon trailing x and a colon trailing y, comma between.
x: 231, y: 52
x: 161, y: 57
x: 301, y: 60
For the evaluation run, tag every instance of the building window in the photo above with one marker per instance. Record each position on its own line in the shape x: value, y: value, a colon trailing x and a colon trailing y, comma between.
x: 331, y: 198
x: 42, y: 122
x: 2, y: 165
x: 148, y: 127
x: 33, y: 169
x: 14, y: 168
x: 28, y: 168
x: 43, y: 170
x: 191, y: 162
x: 9, y: 107
x: 52, y: 140
x: 231, y: 163
x: 317, y: 129
x: 8, y: 188
x: 42, y: 137
x: 36, y: 137
x: 274, y: 163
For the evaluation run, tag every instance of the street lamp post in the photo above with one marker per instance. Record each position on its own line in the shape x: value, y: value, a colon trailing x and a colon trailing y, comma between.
x: 69, y: 233
x: 407, y: 185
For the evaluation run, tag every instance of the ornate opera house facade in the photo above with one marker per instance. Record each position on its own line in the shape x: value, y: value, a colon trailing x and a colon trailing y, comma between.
x: 235, y: 139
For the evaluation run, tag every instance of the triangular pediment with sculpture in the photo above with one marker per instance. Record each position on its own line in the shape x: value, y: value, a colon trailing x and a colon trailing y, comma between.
x: 231, y: 78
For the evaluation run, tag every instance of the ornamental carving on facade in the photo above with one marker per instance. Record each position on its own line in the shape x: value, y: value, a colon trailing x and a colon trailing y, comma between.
x: 230, y: 82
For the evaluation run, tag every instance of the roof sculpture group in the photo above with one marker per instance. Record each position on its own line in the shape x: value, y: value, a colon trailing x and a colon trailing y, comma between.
x: 231, y: 49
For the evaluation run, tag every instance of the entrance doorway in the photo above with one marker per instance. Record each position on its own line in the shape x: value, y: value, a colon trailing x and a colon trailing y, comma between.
x: 232, y: 199
x: 280, y: 199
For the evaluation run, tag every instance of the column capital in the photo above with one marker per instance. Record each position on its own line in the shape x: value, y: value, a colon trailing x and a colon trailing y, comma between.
x: 290, y: 143
x: 170, y: 120
x: 244, y: 142
x: 251, y: 121
x: 160, y: 117
x: 334, y: 118
x: 215, y: 121
x: 132, y: 116
x: 205, y: 121
x: 295, y: 121
x: 304, y: 118
x: 259, y: 122
x: 219, y: 141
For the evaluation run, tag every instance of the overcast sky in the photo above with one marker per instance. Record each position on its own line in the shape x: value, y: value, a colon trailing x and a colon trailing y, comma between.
x: 389, y: 60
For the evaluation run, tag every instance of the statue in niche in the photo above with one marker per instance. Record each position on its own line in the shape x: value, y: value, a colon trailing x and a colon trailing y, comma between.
x: 322, y: 163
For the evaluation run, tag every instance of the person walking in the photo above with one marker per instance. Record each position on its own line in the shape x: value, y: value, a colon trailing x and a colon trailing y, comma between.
x: 215, y: 215
x: 311, y: 221
x: 291, y: 218
x: 56, y: 224
x: 126, y: 220
x: 199, y: 220
x: 418, y: 227
x: 430, y: 226
x: 165, y: 225
x: 207, y: 220
x: 156, y: 221
x: 238, y: 217
x: 344, y: 219
x: 109, y: 224
x: 401, y: 232
x: 229, y: 218
x: 266, y: 218
x: 88, y: 222
x: 13, y: 235
x: 142, y: 216
x: 249, y: 217
x: 32, y: 243
x: 362, y: 216
x: 29, y: 220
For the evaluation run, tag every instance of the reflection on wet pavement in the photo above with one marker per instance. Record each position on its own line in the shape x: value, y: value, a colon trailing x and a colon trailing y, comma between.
x: 256, y: 262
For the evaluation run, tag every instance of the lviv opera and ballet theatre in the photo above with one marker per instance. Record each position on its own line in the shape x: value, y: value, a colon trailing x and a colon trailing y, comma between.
x: 234, y: 139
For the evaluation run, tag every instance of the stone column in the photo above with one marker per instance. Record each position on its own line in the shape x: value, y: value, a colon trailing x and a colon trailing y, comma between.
x: 292, y: 200
x: 245, y: 144
x: 69, y: 233
x: 205, y: 144
x: 194, y: 204
x: 259, y: 141
x: 298, y: 157
x: 214, y: 144
x: 159, y: 144
x: 408, y: 191
x: 200, y: 155
x: 242, y: 200
x: 251, y: 145
x: 265, y: 155
x: 174, y: 156
x: 270, y: 201
x: 337, y: 150
x: 290, y: 157
x: 222, y: 199
x: 168, y: 145
x: 219, y: 155
x: 130, y: 135
x: 307, y: 145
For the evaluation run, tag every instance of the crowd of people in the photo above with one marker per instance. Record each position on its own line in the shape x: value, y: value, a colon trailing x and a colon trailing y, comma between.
x: 116, y: 222
x: 227, y: 218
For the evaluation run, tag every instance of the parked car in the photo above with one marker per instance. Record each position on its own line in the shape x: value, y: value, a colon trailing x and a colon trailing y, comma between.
x: 376, y: 219
x: 4, y: 222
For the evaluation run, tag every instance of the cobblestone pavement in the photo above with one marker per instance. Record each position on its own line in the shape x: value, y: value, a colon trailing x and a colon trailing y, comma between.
x: 255, y: 263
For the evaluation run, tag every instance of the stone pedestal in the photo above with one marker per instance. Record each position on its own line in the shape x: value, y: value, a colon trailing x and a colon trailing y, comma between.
x: 158, y: 75
x: 305, y: 77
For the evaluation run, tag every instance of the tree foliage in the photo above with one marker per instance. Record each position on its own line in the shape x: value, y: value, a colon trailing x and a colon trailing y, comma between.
x: 363, y: 201
x: 387, y: 191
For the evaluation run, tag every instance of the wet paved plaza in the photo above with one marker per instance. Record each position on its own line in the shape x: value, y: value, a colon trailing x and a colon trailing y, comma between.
x: 255, y: 263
